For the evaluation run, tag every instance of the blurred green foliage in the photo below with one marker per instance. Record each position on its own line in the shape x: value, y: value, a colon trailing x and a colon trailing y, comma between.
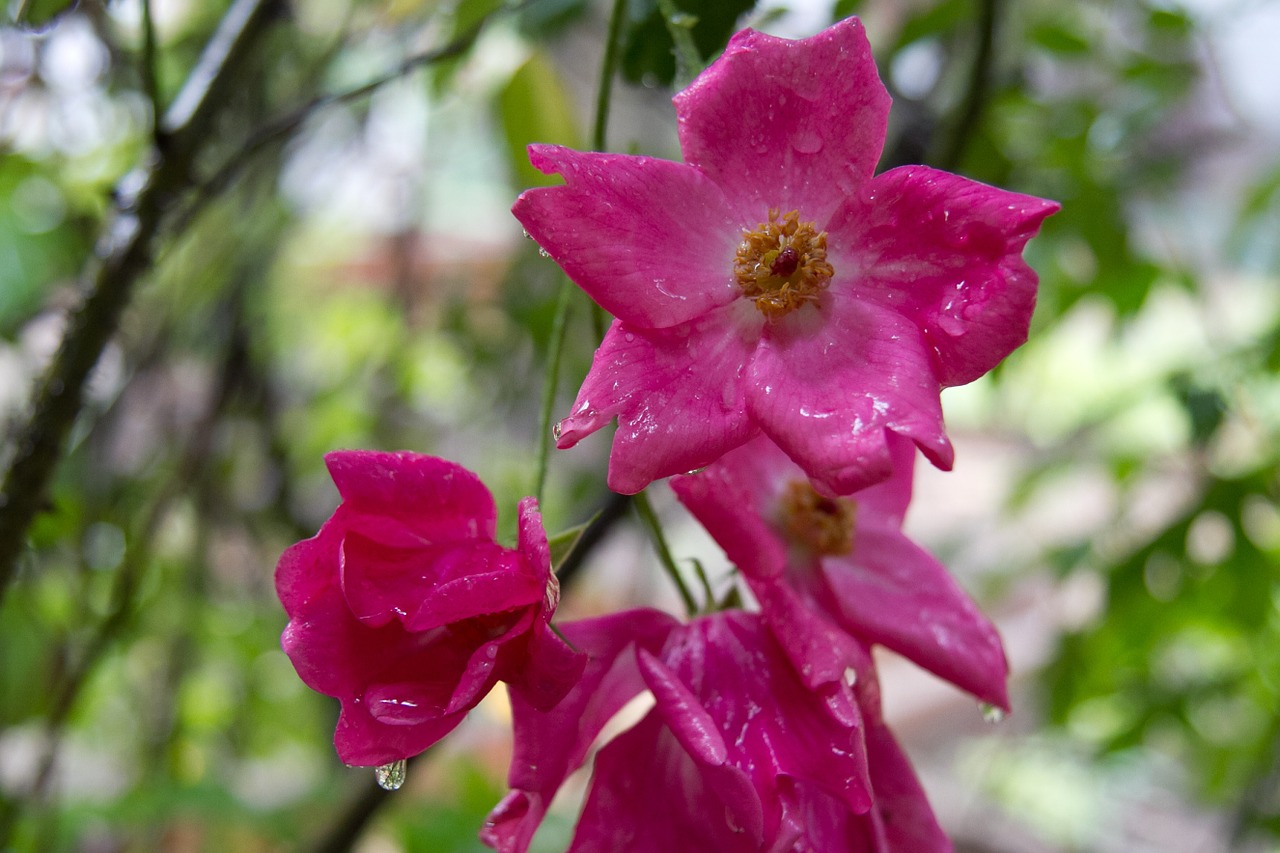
x: 360, y: 284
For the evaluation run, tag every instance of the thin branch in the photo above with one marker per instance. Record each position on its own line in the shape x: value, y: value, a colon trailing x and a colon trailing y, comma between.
x: 288, y: 124
x: 645, y: 510
x: 608, y: 70
x: 150, y: 77
x: 125, y: 254
x: 559, y: 326
x: 975, y: 99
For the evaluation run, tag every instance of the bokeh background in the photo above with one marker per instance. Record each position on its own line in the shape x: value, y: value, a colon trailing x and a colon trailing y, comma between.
x: 336, y: 266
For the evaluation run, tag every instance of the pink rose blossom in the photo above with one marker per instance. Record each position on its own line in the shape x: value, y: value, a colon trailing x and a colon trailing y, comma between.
x: 405, y: 609
x: 741, y: 751
x: 771, y: 284
x: 849, y: 558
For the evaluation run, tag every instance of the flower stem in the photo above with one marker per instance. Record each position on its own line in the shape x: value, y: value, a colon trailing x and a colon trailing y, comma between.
x: 559, y: 324
x: 608, y: 70
x: 645, y: 510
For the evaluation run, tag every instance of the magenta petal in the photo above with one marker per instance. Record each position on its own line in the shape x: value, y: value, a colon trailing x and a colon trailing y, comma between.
x: 550, y: 745
x: 731, y: 506
x: 309, y: 568
x: 362, y: 741
x: 826, y: 393
x: 902, y: 813
x: 651, y: 240
x: 893, y: 592
x: 677, y: 394
x: 441, y: 501
x: 946, y: 251
x: 682, y: 713
x: 791, y: 125
x: 649, y: 795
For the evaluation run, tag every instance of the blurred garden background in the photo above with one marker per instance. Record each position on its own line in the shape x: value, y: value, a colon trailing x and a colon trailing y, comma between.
x: 291, y: 223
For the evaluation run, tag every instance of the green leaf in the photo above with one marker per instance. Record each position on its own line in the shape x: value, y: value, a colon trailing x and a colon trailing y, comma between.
x: 648, y: 51
x: 534, y: 107
x: 38, y: 14
x: 563, y: 543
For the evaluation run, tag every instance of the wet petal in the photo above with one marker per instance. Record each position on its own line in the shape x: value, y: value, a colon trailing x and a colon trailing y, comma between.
x: 677, y: 394
x: 651, y: 240
x: 826, y: 385
x: 946, y: 251
x: 791, y: 125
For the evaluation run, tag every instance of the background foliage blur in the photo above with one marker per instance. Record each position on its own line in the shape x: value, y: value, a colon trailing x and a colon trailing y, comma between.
x: 338, y: 268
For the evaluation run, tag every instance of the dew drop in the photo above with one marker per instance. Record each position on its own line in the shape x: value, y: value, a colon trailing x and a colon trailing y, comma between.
x: 390, y: 776
x: 990, y: 713
x: 543, y: 252
x: 807, y: 141
x: 555, y: 432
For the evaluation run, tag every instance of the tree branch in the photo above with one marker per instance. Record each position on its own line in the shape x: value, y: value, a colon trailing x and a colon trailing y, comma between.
x: 125, y: 254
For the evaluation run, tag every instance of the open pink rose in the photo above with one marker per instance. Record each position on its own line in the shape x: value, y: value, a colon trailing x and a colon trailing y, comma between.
x: 848, y: 557
x: 771, y: 284
x: 405, y: 609
x: 741, y: 751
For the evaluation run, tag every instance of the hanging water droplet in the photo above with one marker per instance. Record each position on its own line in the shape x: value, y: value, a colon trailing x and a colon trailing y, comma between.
x: 390, y: 776
x: 990, y: 713
x: 555, y: 432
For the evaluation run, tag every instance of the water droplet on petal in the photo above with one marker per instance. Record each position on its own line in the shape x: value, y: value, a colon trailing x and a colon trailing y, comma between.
x: 555, y: 432
x: 990, y: 713
x: 391, y: 776
x: 543, y: 252
x: 807, y: 141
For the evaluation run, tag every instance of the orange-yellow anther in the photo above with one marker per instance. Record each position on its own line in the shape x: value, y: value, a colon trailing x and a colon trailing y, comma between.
x: 821, y: 524
x: 782, y: 264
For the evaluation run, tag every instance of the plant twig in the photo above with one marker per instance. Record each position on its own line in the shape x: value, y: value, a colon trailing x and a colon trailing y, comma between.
x: 975, y: 99
x: 559, y: 326
x: 645, y: 510
x: 125, y: 254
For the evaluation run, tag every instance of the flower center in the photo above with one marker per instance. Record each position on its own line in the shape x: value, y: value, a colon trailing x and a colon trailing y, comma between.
x: 782, y: 264
x: 824, y: 525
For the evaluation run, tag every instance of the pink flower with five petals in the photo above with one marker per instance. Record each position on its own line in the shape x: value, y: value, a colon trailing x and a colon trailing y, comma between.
x: 848, y: 558
x: 405, y: 609
x: 771, y: 284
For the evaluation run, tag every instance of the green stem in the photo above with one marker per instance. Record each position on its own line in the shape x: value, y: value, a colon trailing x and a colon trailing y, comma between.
x: 559, y: 325
x: 975, y: 98
x: 645, y: 510
x: 679, y: 27
x: 608, y: 70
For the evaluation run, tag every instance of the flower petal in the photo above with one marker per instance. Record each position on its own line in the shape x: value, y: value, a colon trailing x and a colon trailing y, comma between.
x: 946, y: 251
x: 827, y: 385
x: 792, y: 125
x: 651, y: 240
x: 650, y: 795
x: 904, y: 818
x: 893, y: 592
x: 550, y: 745
x: 730, y: 503
x: 440, y: 501
x: 677, y: 394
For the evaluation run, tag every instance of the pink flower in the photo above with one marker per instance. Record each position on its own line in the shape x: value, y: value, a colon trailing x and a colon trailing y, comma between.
x: 405, y: 609
x: 741, y: 751
x: 849, y: 558
x: 771, y: 284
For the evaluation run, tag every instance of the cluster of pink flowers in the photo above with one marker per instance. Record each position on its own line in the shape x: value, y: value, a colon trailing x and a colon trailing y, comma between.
x: 785, y: 322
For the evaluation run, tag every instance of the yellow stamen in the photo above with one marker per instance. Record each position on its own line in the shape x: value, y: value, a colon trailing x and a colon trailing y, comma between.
x: 823, y: 525
x: 782, y: 264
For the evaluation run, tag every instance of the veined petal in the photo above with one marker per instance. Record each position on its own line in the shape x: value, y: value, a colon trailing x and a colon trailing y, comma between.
x: 893, y: 592
x: 438, y: 500
x: 651, y: 240
x: 826, y: 387
x: 731, y: 504
x: 946, y: 251
x: 791, y: 125
x: 552, y: 744
x: 677, y: 394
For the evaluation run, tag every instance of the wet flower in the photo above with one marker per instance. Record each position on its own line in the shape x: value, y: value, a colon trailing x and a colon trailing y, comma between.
x: 771, y: 284
x: 849, y: 558
x: 405, y: 609
x: 740, y: 751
